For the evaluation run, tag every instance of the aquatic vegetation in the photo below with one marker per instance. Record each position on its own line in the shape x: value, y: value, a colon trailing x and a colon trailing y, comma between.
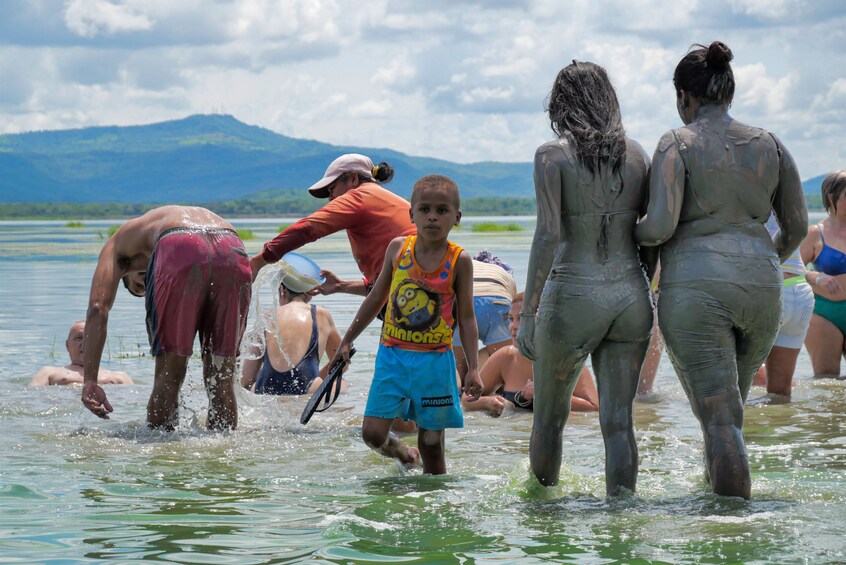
x: 75, y: 224
x: 496, y: 227
x: 283, y: 227
x: 245, y: 234
x: 109, y: 233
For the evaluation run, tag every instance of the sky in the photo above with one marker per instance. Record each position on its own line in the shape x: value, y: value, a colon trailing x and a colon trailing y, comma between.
x: 464, y: 81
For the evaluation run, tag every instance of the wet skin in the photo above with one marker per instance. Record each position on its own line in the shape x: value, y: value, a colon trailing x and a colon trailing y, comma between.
x: 586, y: 283
x: 127, y: 254
x: 721, y: 281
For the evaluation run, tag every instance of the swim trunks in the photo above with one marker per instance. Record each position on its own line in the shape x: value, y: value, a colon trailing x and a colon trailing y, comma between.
x: 797, y: 308
x: 298, y: 378
x: 198, y: 280
x: 491, y: 319
x: 416, y: 385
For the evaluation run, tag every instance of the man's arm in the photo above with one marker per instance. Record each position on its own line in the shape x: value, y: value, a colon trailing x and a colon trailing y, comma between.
x: 333, y: 284
x: 42, y: 377
x: 336, y: 215
x: 104, y: 287
x: 466, y: 318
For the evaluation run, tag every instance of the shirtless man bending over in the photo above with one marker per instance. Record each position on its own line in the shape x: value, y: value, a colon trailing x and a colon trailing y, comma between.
x: 72, y: 374
x: 195, y: 275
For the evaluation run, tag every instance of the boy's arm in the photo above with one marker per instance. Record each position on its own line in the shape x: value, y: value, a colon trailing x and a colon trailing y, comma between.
x: 373, y: 302
x: 463, y: 283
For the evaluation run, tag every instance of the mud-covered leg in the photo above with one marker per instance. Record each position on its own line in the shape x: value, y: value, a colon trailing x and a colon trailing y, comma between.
x: 725, y: 449
x: 617, y: 369
x: 556, y: 371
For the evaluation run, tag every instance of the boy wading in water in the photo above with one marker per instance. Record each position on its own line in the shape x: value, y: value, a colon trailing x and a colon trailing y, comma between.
x: 425, y: 280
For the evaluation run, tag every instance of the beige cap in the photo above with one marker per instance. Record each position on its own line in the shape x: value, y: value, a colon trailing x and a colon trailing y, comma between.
x: 349, y: 163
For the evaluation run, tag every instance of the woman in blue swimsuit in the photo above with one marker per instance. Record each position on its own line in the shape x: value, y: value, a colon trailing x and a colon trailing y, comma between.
x: 293, y: 348
x: 826, y: 339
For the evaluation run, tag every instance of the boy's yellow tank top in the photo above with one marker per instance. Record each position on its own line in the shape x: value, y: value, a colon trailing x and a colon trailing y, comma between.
x: 421, y: 305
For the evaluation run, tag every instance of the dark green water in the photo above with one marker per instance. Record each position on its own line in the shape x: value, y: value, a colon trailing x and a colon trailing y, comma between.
x: 75, y: 489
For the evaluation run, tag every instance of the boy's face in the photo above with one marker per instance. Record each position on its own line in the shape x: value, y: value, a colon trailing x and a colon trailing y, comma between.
x: 434, y: 211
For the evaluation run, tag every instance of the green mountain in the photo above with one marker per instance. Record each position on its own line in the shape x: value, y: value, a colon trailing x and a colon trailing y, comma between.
x: 214, y: 158
x: 205, y: 158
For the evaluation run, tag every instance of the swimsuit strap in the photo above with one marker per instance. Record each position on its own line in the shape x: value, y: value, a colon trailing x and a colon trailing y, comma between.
x: 312, y: 342
x: 822, y: 237
x: 607, y: 204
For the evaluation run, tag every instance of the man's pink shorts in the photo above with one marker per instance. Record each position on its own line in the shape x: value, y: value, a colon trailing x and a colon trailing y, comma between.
x: 198, y: 280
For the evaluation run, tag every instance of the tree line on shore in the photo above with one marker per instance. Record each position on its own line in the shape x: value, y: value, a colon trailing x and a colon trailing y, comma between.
x: 266, y: 207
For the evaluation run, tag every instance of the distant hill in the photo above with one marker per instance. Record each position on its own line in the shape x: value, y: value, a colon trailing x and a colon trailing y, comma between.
x: 212, y: 158
x: 206, y: 158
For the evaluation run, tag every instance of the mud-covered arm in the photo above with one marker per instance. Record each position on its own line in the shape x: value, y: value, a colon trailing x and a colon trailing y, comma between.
x: 666, y: 193
x: 648, y: 253
x: 548, y: 187
x: 789, y: 206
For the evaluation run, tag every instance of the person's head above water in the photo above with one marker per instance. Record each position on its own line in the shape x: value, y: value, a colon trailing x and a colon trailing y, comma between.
x: 833, y: 187
x: 74, y: 342
x: 348, y: 172
x: 705, y: 75
x: 583, y: 106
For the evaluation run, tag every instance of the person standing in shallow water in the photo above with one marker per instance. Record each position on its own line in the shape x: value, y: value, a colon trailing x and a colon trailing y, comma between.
x: 585, y: 279
x: 194, y: 274
x: 721, y: 281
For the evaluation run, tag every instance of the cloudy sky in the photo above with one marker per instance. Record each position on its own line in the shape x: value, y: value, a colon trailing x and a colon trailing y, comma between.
x: 463, y: 81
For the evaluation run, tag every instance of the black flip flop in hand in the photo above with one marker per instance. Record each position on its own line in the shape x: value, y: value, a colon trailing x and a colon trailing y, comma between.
x: 328, y: 391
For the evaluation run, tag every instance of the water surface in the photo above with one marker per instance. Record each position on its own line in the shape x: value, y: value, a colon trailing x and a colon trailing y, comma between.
x: 74, y: 488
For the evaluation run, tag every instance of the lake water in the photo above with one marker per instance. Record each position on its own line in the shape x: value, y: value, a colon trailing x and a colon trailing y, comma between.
x: 77, y: 489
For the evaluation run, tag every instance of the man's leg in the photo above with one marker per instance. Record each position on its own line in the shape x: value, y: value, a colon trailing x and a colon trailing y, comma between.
x: 163, y: 406
x: 219, y: 378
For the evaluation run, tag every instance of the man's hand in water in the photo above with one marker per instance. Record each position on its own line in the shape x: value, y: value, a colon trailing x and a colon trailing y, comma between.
x: 94, y: 398
x: 526, y: 337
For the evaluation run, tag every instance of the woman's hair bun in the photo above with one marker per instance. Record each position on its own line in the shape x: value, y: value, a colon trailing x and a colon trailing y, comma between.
x: 383, y: 172
x: 719, y: 55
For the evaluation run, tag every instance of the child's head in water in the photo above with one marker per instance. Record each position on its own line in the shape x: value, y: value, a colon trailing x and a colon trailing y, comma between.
x: 435, y: 207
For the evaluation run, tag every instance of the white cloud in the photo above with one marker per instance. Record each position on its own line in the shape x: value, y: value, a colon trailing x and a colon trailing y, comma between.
x: 460, y: 81
x: 90, y: 18
x: 769, y: 9
x: 756, y: 89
